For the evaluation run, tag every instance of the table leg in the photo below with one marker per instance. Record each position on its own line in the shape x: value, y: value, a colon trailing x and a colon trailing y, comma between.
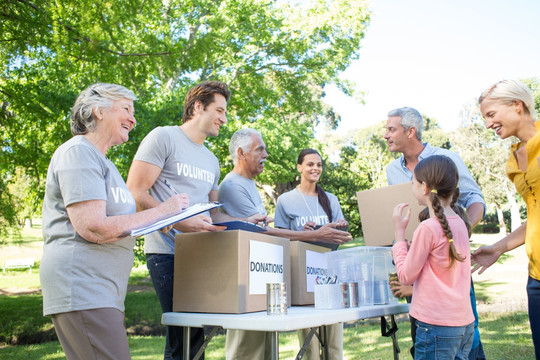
x: 275, y: 345
x: 303, y: 349
x: 324, y: 342
x: 207, y: 339
x: 390, y: 331
x: 187, y: 350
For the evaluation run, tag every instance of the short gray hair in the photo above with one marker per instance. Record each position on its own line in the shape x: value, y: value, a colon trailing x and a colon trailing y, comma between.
x: 100, y: 95
x: 410, y: 117
x: 241, y: 139
x: 509, y: 91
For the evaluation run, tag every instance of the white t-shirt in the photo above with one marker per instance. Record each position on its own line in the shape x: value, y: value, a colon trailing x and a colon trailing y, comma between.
x: 294, y: 210
x: 239, y: 196
x: 189, y: 167
x: 75, y: 273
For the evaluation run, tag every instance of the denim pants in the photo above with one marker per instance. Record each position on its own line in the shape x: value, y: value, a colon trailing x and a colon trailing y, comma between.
x: 435, y: 342
x: 533, y: 295
x: 477, y: 349
x: 161, y: 269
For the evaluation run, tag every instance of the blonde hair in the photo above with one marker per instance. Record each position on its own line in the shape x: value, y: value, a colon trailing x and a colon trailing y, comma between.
x: 509, y: 91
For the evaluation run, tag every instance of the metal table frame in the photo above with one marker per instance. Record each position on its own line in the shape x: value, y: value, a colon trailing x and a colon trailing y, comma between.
x: 298, y: 317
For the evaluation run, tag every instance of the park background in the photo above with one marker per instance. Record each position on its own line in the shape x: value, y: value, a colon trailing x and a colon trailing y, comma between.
x: 319, y: 74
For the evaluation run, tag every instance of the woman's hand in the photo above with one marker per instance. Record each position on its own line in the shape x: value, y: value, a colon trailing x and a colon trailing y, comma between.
x: 176, y: 203
x: 484, y: 257
x: 340, y: 224
x: 327, y: 233
x: 309, y: 226
x: 399, y: 290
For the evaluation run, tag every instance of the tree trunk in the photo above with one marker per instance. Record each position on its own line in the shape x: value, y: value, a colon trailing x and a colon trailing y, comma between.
x: 27, y: 223
x: 500, y: 217
x: 515, y: 218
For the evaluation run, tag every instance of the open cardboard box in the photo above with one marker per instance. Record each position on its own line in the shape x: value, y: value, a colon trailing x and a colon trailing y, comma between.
x: 307, y: 262
x: 376, y: 207
x: 227, y: 271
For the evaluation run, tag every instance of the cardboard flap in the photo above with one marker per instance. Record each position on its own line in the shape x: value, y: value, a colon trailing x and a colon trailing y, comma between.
x: 376, y: 207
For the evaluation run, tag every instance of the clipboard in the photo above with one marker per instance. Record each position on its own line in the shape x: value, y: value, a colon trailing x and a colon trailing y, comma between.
x: 187, y: 213
x: 241, y: 225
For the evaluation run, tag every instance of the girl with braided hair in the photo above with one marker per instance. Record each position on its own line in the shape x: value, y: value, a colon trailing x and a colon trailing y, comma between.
x: 437, y: 263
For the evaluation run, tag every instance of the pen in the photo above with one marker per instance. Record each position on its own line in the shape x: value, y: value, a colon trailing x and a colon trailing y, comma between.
x: 170, y: 187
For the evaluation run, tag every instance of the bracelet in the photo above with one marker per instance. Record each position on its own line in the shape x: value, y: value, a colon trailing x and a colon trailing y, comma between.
x: 395, y: 242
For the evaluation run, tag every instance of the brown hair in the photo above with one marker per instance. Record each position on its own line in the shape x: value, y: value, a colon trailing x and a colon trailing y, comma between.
x: 321, y: 194
x: 440, y: 174
x: 204, y: 93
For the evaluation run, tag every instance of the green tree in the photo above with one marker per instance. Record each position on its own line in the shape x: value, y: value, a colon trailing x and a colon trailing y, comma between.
x: 277, y: 58
x: 481, y: 150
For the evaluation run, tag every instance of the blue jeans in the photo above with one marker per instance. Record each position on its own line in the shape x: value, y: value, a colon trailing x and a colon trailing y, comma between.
x: 533, y: 295
x: 161, y: 268
x: 477, y: 349
x: 443, y: 342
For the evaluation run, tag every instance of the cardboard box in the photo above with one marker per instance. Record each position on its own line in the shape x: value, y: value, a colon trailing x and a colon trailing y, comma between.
x: 227, y: 272
x: 376, y: 207
x: 307, y: 262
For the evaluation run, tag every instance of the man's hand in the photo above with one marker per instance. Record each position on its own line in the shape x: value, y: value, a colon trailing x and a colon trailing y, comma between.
x: 257, y: 218
x: 484, y: 257
x: 198, y: 223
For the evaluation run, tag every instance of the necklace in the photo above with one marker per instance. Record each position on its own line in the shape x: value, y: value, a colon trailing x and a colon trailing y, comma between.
x: 305, y: 202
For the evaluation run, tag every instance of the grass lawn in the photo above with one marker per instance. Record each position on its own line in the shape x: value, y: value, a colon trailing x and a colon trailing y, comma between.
x: 506, y: 335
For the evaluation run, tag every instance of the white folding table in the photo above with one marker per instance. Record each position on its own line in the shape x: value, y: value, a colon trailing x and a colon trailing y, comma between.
x: 297, y: 317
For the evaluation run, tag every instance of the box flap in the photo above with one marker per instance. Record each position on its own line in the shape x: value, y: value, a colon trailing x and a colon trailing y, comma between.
x: 376, y: 207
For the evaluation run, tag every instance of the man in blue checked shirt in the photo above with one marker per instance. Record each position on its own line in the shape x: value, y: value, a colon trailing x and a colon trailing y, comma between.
x: 404, y: 134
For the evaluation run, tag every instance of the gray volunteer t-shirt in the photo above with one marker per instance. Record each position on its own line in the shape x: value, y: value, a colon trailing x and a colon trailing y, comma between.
x: 239, y: 196
x: 294, y: 210
x: 75, y: 273
x: 189, y: 167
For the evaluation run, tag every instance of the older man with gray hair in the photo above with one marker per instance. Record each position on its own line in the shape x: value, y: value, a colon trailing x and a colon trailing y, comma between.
x: 404, y: 134
x: 240, y: 198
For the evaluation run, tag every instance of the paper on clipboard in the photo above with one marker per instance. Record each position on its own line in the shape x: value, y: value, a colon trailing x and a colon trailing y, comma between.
x: 189, y: 212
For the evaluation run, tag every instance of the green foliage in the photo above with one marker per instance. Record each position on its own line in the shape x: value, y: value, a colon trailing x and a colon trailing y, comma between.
x: 139, y: 258
x: 481, y: 150
x: 434, y: 135
x: 343, y: 180
x: 276, y: 57
x: 534, y: 85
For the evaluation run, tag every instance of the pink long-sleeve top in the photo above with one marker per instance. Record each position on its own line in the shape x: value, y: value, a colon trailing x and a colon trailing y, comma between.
x: 440, y: 294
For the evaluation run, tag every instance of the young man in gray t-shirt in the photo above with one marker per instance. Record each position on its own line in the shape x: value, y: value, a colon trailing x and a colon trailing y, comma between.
x: 177, y: 154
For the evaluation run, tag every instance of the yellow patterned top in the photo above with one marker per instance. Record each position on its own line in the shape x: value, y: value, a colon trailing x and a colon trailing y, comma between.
x: 528, y: 185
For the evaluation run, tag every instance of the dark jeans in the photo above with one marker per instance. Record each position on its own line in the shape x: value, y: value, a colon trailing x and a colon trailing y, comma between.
x: 161, y: 268
x: 533, y: 294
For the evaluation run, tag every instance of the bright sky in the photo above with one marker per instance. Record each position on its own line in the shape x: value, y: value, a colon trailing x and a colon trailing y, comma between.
x: 437, y: 56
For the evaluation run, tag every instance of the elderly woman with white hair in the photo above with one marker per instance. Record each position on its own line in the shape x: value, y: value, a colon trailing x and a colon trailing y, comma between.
x: 508, y: 108
x: 88, y: 214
